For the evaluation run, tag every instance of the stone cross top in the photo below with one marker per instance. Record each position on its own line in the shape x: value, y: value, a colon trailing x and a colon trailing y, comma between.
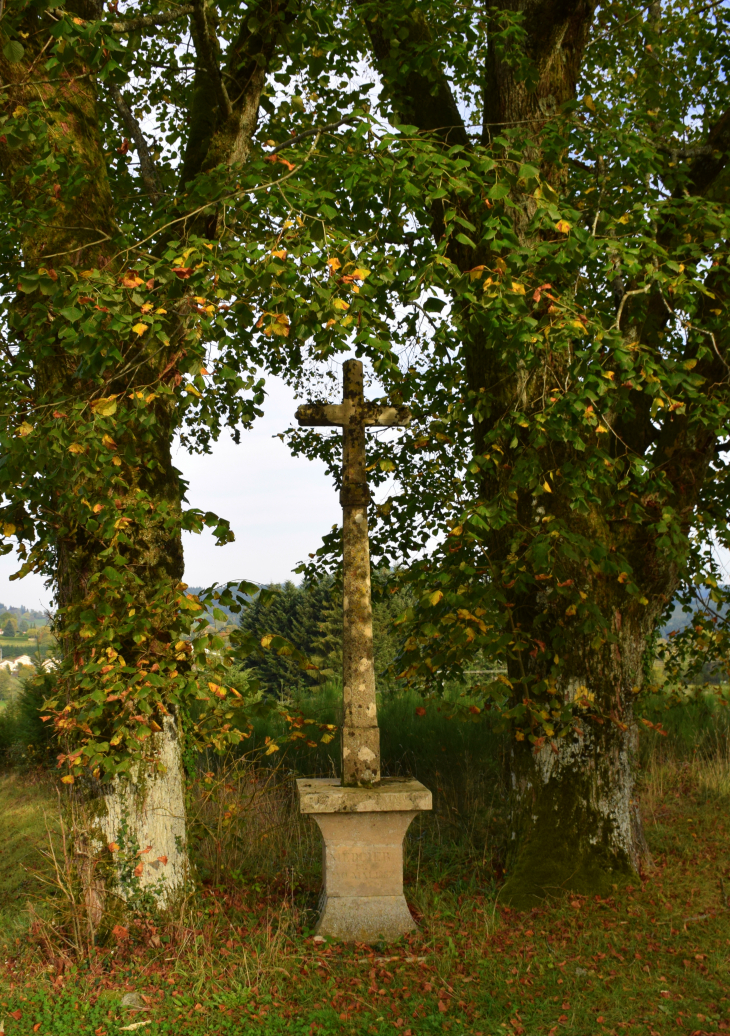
x: 360, y: 733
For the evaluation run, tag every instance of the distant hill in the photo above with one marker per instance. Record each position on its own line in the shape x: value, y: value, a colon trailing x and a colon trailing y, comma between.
x: 31, y: 616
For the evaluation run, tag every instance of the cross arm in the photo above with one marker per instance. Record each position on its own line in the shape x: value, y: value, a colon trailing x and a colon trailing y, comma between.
x: 333, y: 415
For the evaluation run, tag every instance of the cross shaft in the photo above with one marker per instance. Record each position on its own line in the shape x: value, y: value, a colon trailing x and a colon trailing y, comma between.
x: 360, y: 732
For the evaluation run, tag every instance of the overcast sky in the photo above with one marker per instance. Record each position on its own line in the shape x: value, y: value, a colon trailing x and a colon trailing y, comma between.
x: 279, y: 508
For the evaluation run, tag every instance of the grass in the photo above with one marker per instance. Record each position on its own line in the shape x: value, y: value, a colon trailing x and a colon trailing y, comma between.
x: 27, y: 803
x: 240, y: 956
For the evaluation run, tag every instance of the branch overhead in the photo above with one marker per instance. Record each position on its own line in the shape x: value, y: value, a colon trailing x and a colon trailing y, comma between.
x: 421, y: 96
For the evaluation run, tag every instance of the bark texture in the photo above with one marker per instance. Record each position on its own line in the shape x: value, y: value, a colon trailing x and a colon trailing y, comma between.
x: 145, y: 816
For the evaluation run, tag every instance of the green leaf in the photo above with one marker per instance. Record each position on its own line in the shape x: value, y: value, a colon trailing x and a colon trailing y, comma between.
x: 13, y: 51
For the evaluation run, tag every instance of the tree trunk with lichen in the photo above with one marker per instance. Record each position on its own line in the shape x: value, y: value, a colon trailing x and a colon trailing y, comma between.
x: 575, y: 824
x: 574, y: 821
x: 134, y: 828
x: 136, y: 812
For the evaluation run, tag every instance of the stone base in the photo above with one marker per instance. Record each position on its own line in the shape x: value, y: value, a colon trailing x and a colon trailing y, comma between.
x: 365, y: 918
x: 363, y: 829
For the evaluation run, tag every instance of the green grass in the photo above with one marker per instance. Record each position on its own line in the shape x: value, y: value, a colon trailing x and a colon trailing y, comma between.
x: 240, y: 957
x: 26, y: 803
x: 651, y: 959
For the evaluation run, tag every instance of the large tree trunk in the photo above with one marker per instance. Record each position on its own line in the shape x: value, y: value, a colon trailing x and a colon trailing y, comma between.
x: 145, y: 816
x: 73, y: 226
x: 574, y: 823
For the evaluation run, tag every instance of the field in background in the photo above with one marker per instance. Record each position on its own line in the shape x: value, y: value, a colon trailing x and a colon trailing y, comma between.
x: 240, y: 957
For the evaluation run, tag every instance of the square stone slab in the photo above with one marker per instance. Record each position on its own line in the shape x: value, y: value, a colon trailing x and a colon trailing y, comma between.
x: 363, y: 830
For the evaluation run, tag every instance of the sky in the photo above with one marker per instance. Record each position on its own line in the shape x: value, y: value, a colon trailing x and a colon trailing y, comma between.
x: 279, y: 508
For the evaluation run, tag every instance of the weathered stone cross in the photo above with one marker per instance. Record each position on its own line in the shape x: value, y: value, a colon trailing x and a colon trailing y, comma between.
x: 360, y: 733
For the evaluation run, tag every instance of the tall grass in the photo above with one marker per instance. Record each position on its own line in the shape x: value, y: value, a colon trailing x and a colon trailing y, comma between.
x: 246, y: 825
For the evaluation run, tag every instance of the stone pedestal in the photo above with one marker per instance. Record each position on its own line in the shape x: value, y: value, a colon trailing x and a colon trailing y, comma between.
x: 363, y: 828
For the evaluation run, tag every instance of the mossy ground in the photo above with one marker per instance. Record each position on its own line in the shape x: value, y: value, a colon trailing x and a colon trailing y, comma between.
x: 650, y: 958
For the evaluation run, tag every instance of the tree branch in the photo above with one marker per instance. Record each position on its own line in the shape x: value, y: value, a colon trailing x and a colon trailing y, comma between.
x: 146, y: 164
x: 423, y: 99
x: 707, y: 169
x: 206, y: 46
x: 149, y: 21
x: 312, y: 132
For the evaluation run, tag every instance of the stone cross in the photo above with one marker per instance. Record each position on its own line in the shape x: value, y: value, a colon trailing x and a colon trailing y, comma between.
x: 360, y: 733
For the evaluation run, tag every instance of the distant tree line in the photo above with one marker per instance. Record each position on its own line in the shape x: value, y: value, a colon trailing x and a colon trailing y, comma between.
x: 310, y: 616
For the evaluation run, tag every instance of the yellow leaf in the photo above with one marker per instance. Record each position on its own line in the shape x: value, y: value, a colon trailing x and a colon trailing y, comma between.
x: 108, y: 441
x: 436, y: 596
x: 360, y: 273
x: 25, y: 429
x: 113, y: 847
x: 161, y: 311
x: 8, y: 529
x: 180, y: 646
x: 87, y: 273
x: 601, y: 429
x: 334, y: 263
x: 279, y: 253
x: 217, y: 690
x: 546, y: 486
x: 266, y: 640
x: 97, y: 508
x: 589, y: 102
x: 563, y: 226
x: 68, y: 779
x: 131, y: 280
x: 643, y: 600
x: 271, y: 749
x: 76, y: 447
x: 147, y: 307
x: 104, y: 407
x: 140, y: 328
x: 116, y: 462
x: 623, y: 577
x: 571, y: 609
x: 341, y: 304
x: 624, y: 219
x: 193, y: 391
x: 517, y: 287
x: 519, y: 736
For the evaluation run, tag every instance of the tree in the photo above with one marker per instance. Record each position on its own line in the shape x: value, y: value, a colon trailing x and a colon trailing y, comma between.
x: 10, y: 628
x: 563, y: 270
x: 116, y: 281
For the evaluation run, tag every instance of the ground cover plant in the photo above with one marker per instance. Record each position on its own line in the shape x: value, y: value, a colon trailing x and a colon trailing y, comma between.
x: 240, y: 956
